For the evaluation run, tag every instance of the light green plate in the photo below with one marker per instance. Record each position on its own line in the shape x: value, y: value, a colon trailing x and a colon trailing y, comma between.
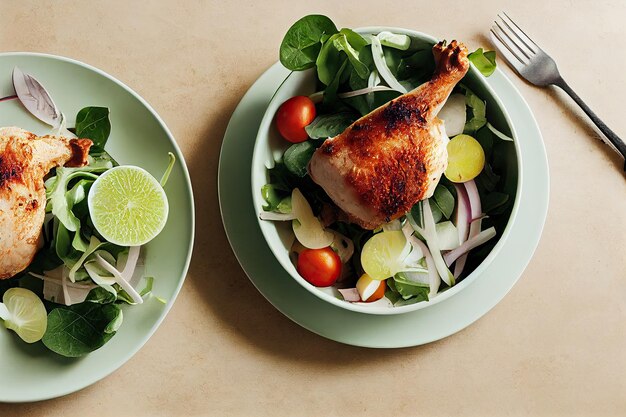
x: 382, y: 331
x: 138, y: 137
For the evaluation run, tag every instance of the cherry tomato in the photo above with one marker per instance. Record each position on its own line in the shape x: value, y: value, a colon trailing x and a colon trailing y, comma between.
x: 293, y: 116
x: 320, y: 267
x: 379, y: 293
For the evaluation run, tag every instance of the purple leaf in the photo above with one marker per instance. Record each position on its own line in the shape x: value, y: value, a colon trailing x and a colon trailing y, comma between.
x: 35, y: 98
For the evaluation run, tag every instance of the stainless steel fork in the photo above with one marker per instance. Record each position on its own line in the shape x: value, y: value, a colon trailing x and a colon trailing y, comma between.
x: 532, y: 63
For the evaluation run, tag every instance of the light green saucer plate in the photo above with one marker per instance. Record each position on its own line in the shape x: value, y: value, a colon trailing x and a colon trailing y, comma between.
x: 380, y: 331
x: 138, y: 137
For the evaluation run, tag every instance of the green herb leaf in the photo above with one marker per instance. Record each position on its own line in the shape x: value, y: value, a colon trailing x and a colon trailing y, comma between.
x: 485, y: 62
x: 81, y: 328
x: 408, y: 290
x: 302, y: 42
x: 329, y: 61
x: 479, y: 112
x: 297, y: 157
x: 93, y: 123
x: 494, y: 200
x: 444, y: 200
x: 271, y: 197
x: 100, y: 295
x: 329, y: 125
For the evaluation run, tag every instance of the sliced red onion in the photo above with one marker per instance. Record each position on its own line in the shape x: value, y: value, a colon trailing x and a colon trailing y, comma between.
x: 350, y: 294
x: 470, y: 244
x: 475, y: 217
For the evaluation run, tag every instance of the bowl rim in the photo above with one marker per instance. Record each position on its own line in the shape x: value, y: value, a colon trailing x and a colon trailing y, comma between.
x: 364, y: 308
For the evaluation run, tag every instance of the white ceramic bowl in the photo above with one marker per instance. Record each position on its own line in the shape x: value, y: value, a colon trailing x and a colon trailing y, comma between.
x: 270, y: 146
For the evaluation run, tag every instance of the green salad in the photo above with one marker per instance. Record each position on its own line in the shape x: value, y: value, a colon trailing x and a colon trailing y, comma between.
x: 90, y: 263
x: 437, y: 243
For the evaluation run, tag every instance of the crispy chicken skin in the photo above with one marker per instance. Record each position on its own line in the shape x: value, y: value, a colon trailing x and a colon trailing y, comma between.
x: 390, y: 159
x: 24, y: 161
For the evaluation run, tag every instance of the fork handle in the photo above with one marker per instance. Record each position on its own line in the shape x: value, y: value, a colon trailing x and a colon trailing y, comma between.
x: 617, y: 143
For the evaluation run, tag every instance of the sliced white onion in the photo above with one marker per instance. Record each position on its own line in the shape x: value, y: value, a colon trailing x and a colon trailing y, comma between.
x: 447, y: 235
x: 454, y: 114
x: 434, y: 278
x: 392, y: 226
x: 470, y: 244
x: 273, y: 216
x: 384, y: 71
x: 343, y: 246
x: 372, y: 82
x: 119, y: 279
x: 366, y: 90
x: 307, y: 228
x: 394, y: 40
x: 498, y: 133
x: 433, y: 244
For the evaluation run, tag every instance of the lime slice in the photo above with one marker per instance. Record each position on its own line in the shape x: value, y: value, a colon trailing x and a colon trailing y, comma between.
x: 383, y: 254
x: 128, y: 206
x: 466, y: 159
x: 24, y: 313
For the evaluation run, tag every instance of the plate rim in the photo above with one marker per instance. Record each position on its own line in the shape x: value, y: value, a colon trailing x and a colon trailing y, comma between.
x: 84, y: 383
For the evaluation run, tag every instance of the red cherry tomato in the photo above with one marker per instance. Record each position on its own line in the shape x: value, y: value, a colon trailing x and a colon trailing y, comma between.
x: 293, y: 116
x: 320, y: 267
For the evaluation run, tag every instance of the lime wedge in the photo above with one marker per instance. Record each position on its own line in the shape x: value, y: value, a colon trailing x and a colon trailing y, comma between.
x: 128, y: 206
x: 466, y: 158
x: 24, y: 313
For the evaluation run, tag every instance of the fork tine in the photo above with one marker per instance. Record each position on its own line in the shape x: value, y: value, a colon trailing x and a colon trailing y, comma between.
x: 508, y: 55
x: 511, y: 39
x: 519, y: 33
x: 506, y: 50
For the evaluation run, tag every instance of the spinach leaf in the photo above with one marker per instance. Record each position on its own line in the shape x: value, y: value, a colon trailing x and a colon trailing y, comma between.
x: 81, y: 328
x: 302, y: 42
x: 485, y: 62
x: 329, y: 125
x: 408, y: 290
x: 59, y: 202
x: 478, y: 114
x: 100, y: 295
x: 417, y: 67
x: 93, y: 123
x: 494, y: 200
x: 329, y: 61
x: 444, y: 200
x: 351, y: 43
x: 297, y: 157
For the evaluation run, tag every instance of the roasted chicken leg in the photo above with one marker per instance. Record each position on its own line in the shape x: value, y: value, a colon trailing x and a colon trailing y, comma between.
x: 390, y: 159
x: 24, y: 161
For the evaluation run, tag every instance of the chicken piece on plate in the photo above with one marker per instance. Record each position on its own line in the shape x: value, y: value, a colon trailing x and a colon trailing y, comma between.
x: 24, y: 161
x: 390, y: 159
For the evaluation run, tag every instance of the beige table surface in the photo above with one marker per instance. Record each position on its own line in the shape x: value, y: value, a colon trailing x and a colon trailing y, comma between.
x: 555, y: 345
